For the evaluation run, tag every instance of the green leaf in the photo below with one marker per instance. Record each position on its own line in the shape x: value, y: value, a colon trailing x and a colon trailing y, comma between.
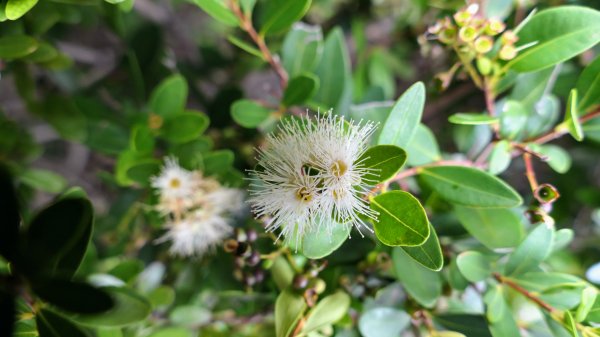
x: 588, y: 298
x: 571, y: 122
x: 334, y: 72
x: 319, y: 243
x: 218, y: 10
x: 51, y: 324
x: 423, y: 149
x: 472, y: 119
x: 302, y: 49
x: 245, y: 46
x: 248, y: 113
x: 588, y: 86
x: 44, y: 53
x: 162, y: 296
x: 172, y: 332
x: 543, y: 282
x: 184, y: 127
x: 558, y: 158
x: 328, y: 311
x: 530, y: 87
x: 474, y: 266
x: 9, y: 213
x: 129, y: 308
x: 468, y: 186
x: 428, y: 254
x: 383, y: 322
x: 500, y: 157
x: 189, y: 316
x: 170, y: 96
x: 218, y: 161
x: 494, y: 228
x: 594, y: 314
x: 376, y: 112
x: 282, y: 273
x: 470, y: 325
x: 401, y: 124
x: 570, y: 324
x: 532, y: 251
x: 56, y: 230
x: 300, y: 89
x: 17, y: 8
x: 75, y: 297
x: 142, y: 140
x: 558, y: 33
x: 15, y: 46
x: 455, y: 277
x: 281, y: 14
x: 142, y: 170
x: 289, y: 308
x: 544, y: 115
x: 44, y: 180
x: 384, y: 161
x: 513, y: 119
x: 496, y: 305
x: 422, y: 284
x: 505, y: 326
x: 402, y: 220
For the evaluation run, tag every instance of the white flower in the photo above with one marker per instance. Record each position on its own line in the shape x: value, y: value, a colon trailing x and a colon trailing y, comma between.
x: 173, y: 182
x: 311, y: 173
x: 196, y: 234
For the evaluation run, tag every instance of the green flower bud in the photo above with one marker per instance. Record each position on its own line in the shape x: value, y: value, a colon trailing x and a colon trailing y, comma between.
x: 462, y: 17
x: 494, y: 27
x: 484, y: 65
x: 509, y: 37
x: 508, y: 52
x: 483, y: 44
x: 448, y: 35
x: 468, y: 33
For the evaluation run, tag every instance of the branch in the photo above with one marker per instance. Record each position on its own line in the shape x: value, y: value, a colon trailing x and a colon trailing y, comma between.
x: 524, y: 292
x: 554, y: 134
x: 259, y: 40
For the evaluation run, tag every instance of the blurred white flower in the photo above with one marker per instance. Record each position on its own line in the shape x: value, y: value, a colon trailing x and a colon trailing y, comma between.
x: 173, y: 181
x: 310, y: 173
x: 200, y: 209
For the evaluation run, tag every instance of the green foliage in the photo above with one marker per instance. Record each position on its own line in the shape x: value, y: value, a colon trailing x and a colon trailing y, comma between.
x: 402, y: 220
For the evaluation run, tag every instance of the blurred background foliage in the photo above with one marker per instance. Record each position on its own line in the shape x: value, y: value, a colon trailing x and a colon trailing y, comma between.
x: 78, y: 100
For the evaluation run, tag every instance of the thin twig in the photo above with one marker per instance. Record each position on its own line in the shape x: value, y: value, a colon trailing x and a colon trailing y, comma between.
x: 524, y: 292
x: 554, y: 134
x: 246, y: 25
x: 530, y: 172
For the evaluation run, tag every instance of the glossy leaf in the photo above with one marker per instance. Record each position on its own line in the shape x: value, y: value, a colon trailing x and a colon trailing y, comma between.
x: 472, y: 119
x: 218, y: 10
x: 246, y: 46
x: 559, y: 34
x: 43, y: 180
x: 302, y: 49
x: 383, y: 322
x: 142, y: 139
x: 334, y: 72
x: 402, y: 220
x: 384, y: 161
x: 217, y: 161
x: 17, y: 8
x: 588, y: 86
x: 300, y: 89
x: 571, y: 122
x: 429, y: 254
x: 170, y: 96
x: 588, y: 298
x: 513, y: 119
x: 557, y: 157
x: 423, y: 148
x: 570, y: 324
x: 184, y: 127
x: 289, y: 308
x: 281, y: 14
x: 467, y: 186
x: 401, y: 124
x: 51, y: 324
x: 468, y: 324
x: 328, y: 311
x: 500, y: 157
x: 422, y: 284
x: 532, y: 251
x: 319, y: 243
x: 248, y: 113
x: 128, y: 308
x: 15, y: 46
x: 75, y: 297
x: 474, y: 266
x: 494, y: 228
x: 376, y: 112
x: 530, y: 87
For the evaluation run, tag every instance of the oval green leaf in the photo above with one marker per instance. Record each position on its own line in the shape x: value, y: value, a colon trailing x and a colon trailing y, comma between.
x: 328, y: 311
x: 472, y: 119
x: 319, y: 243
x: 401, y: 124
x: 184, y: 127
x: 15, y: 46
x: 170, y: 96
x: 129, y: 308
x: 300, y: 89
x: 428, y: 254
x: 281, y: 14
x: 588, y: 86
x: 75, y: 297
x: 468, y: 186
x: 248, y: 113
x: 289, y: 308
x: 532, y: 251
x: 51, y: 324
x: 384, y: 161
x: 474, y: 266
x: 402, y: 220
x: 422, y: 284
x: 494, y: 228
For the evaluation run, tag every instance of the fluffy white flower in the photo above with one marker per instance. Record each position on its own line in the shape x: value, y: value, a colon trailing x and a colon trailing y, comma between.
x: 310, y: 173
x: 200, y: 209
x: 173, y: 182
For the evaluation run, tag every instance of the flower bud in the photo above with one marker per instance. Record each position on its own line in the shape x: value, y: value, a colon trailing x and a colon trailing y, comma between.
x: 230, y: 245
x: 253, y: 259
x: 447, y: 35
x: 483, y: 44
x: 546, y: 194
x: 155, y: 121
x: 508, y: 52
x: 484, y: 65
x: 494, y: 27
x: 251, y: 235
x: 468, y: 33
x: 462, y: 17
x: 300, y: 282
x: 509, y: 37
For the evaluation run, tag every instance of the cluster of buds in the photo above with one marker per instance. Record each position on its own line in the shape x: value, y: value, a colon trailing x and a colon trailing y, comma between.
x: 369, y: 281
x: 470, y: 33
x: 309, y: 284
x: 544, y: 196
x: 248, y: 269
